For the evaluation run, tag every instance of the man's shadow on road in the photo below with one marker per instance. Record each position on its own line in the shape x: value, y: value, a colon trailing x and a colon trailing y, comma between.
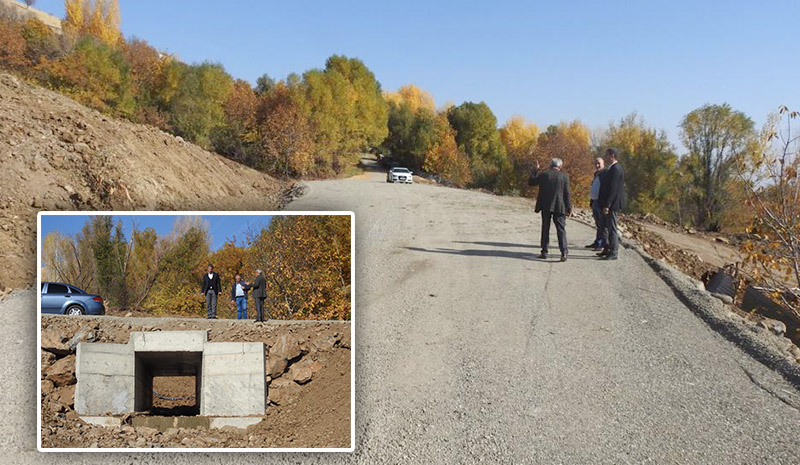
x: 501, y: 253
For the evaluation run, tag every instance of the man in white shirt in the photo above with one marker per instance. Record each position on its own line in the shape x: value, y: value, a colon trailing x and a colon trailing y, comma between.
x: 597, y: 210
x: 239, y: 297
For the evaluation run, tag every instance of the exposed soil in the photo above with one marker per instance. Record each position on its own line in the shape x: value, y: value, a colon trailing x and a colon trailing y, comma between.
x: 59, y: 155
x: 314, y: 413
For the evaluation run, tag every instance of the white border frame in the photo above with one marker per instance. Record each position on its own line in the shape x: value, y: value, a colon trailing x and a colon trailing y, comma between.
x: 187, y: 449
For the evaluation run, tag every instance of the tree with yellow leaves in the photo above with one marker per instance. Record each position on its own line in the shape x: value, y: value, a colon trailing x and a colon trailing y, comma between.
x: 412, y: 96
x: 519, y: 137
x: 97, y: 18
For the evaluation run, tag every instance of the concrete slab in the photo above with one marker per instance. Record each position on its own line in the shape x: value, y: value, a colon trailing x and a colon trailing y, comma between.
x: 237, y: 422
x: 102, y: 421
x: 164, y: 423
x: 168, y: 341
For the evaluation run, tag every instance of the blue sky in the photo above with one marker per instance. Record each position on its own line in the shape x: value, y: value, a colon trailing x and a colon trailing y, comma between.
x: 548, y: 61
x: 221, y: 227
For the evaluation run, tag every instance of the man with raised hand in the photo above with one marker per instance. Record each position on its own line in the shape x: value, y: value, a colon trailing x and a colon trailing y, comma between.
x: 259, y: 288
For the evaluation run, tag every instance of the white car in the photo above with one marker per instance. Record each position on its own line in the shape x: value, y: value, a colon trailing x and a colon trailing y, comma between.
x: 398, y: 174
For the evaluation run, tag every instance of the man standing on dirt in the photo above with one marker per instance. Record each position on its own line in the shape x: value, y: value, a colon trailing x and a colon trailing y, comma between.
x: 259, y: 288
x: 612, y: 200
x: 211, y: 290
x: 597, y: 210
x: 554, y: 203
x: 239, y: 297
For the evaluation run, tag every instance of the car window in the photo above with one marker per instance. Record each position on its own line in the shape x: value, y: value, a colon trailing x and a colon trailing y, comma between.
x: 75, y: 290
x: 56, y: 289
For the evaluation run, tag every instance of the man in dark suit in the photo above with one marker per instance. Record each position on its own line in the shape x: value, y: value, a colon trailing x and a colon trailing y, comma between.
x: 239, y: 297
x: 211, y: 290
x: 612, y: 201
x: 554, y: 203
x: 259, y: 288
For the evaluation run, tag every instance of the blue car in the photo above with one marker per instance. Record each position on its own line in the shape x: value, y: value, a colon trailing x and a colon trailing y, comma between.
x: 66, y: 299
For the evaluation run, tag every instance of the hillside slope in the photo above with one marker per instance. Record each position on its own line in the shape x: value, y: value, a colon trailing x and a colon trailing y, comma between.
x: 59, y: 155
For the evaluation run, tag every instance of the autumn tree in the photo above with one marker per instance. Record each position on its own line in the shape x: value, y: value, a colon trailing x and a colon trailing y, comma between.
x: 714, y: 135
x: 770, y: 174
x: 68, y: 259
x: 146, y: 254
x: 12, y: 45
x: 443, y: 157
x: 285, y: 134
x: 237, y: 137
x: 306, y: 262
x: 346, y: 109
x: 198, y: 107
x: 97, y: 18
x: 519, y: 138
x: 412, y: 96
x: 649, y: 161
x: 41, y: 43
x: 147, y: 72
x: 94, y: 74
x: 478, y: 137
x: 177, y: 287
x: 569, y: 142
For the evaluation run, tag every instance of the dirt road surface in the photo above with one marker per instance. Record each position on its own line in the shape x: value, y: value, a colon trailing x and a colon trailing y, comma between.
x: 469, y: 350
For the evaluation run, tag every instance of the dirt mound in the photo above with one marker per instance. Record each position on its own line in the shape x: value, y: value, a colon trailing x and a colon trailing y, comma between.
x: 59, y: 155
x: 308, y: 384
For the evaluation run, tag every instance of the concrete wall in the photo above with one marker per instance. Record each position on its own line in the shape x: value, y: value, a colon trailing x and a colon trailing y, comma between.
x: 106, y: 379
x: 234, y: 381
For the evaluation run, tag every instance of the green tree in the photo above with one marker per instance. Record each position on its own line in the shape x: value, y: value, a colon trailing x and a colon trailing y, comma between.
x: 443, y: 157
x: 714, y: 135
x: 177, y: 287
x: 649, y: 160
x: 96, y: 75
x: 344, y: 104
x: 478, y: 137
x: 410, y: 134
x: 198, y: 107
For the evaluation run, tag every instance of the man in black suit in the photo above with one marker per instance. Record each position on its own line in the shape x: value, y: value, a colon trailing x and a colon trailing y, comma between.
x: 612, y: 200
x: 211, y: 290
x: 554, y: 203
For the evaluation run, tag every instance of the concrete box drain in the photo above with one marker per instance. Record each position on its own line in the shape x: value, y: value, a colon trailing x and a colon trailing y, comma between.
x: 117, y: 379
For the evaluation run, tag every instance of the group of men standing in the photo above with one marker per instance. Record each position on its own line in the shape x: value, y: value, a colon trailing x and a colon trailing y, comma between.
x: 211, y: 290
x: 607, y: 198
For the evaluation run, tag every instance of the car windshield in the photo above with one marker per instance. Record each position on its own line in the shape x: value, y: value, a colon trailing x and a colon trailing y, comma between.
x: 401, y: 170
x: 75, y: 290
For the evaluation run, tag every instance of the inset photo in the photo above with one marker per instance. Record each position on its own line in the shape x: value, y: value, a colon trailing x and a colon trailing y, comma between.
x: 199, y: 331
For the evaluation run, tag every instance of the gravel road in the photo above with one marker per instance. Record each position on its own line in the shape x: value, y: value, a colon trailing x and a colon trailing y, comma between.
x: 470, y: 350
